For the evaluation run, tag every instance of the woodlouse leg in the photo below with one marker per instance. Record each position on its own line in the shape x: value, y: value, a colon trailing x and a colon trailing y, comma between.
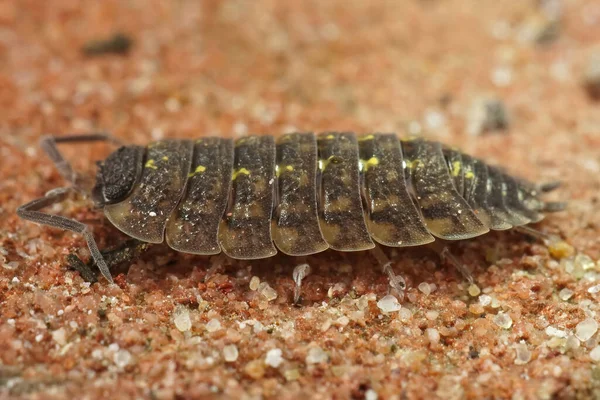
x: 128, y: 251
x: 397, y: 282
x: 31, y: 212
x: 547, y: 239
x: 300, y: 272
x: 555, y: 206
x: 50, y: 146
x: 446, y: 256
x: 529, y: 231
x: 549, y: 186
x: 84, y: 269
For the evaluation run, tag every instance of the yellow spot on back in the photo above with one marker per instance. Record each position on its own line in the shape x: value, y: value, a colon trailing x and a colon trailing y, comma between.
x: 330, y: 137
x: 323, y: 163
x: 413, y: 164
x: 469, y: 174
x: 368, y: 137
x: 242, y: 171
x: 199, y: 169
x: 165, y: 158
x: 366, y: 164
x: 150, y: 164
x: 456, y: 168
x: 278, y: 169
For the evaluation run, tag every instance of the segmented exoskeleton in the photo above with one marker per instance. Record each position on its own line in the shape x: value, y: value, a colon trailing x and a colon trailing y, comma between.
x: 300, y: 193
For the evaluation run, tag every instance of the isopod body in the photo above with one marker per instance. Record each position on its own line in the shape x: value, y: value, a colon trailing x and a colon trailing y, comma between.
x: 304, y: 193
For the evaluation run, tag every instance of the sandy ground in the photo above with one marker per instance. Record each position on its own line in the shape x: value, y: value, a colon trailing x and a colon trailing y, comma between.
x: 167, y: 330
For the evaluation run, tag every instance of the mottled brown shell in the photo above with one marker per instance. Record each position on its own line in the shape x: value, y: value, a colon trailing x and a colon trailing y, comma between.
x: 304, y: 193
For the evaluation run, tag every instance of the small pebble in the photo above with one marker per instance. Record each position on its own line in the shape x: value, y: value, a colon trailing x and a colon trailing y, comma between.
x: 362, y: 302
x: 267, y: 291
x: 552, y: 331
x: 254, y: 283
x: 60, y: 336
x: 316, y: 355
x: 586, y: 329
x: 434, y: 119
x: 291, y: 374
x: 503, y: 320
x: 181, y: 318
x: 11, y: 265
x: 404, y: 314
x: 495, y: 303
x: 371, y: 395
x: 523, y: 355
x: 433, y: 335
x: 230, y: 353
x: 572, y: 343
x: 556, y: 342
x: 424, y: 288
x: 122, y: 358
x: 431, y: 315
x: 560, y: 249
x: 213, y: 325
x: 389, y: 304
x: 476, y: 309
x: 273, y: 358
x: 595, y: 354
x: 594, y: 289
x: 255, y: 369
x: 584, y: 261
x: 485, y: 300
x: 565, y: 294
x: 569, y: 266
x: 474, y: 290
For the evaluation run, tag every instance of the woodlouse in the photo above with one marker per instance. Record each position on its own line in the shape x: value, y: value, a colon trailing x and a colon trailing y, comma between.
x: 300, y: 193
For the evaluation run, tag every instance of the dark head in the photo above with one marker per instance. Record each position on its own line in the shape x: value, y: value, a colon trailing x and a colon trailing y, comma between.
x: 117, y: 175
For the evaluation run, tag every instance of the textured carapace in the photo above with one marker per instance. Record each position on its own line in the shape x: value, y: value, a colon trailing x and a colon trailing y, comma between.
x: 303, y: 193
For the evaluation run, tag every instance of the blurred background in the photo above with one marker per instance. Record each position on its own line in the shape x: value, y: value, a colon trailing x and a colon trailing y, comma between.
x: 451, y: 69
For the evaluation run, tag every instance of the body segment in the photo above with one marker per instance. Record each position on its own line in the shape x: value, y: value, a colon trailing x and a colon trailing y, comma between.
x: 143, y: 215
x: 341, y: 211
x: 393, y: 219
x: 296, y: 229
x: 193, y: 226
x: 245, y: 230
x: 446, y: 213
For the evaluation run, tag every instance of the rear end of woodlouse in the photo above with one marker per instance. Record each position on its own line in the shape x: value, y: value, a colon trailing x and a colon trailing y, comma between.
x: 299, y: 193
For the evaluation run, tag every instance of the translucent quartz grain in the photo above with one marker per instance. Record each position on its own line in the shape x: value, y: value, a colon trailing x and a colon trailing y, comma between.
x: 273, y: 358
x: 181, y: 318
x: 230, y: 353
x: 316, y: 355
x: 503, y: 320
x: 586, y: 329
x: 213, y: 325
x: 389, y: 304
